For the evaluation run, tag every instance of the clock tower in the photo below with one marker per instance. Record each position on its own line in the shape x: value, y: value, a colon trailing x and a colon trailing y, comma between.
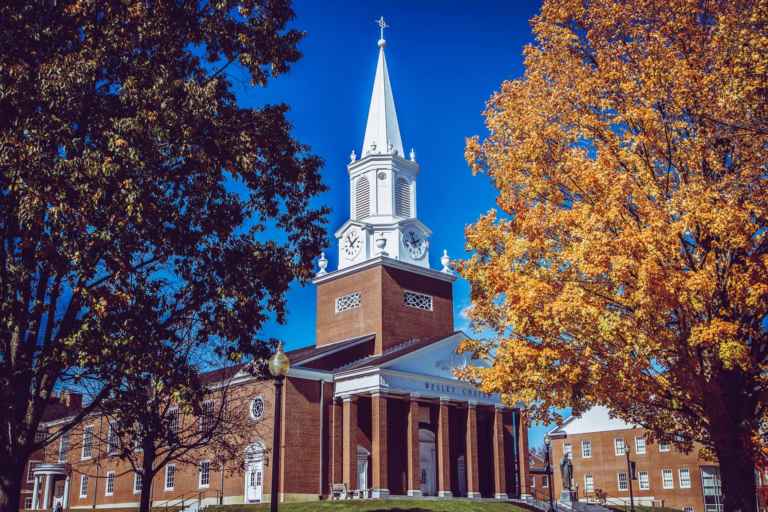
x: 382, y: 187
x: 384, y: 287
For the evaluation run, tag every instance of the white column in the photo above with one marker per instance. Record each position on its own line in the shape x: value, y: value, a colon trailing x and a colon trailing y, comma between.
x: 35, y: 492
x: 65, y: 505
x: 47, y: 492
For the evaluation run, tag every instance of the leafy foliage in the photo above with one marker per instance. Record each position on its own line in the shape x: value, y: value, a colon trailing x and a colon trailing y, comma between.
x: 127, y: 167
x: 626, y: 264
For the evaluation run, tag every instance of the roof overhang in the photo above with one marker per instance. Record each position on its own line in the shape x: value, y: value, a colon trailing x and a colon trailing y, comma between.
x: 388, y: 262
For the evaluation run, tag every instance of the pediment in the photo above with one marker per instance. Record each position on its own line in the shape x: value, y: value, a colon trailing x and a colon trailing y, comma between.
x: 438, y: 359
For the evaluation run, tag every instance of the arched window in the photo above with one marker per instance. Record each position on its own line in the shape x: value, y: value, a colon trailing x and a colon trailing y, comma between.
x: 403, y: 198
x: 362, y: 198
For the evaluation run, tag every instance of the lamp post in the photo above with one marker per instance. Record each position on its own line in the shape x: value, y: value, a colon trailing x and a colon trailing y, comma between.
x: 551, y: 482
x: 279, y: 364
x: 630, y: 476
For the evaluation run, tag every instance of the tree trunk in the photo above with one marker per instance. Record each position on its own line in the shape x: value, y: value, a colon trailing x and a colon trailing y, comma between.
x: 148, y: 468
x: 730, y: 411
x: 11, y: 476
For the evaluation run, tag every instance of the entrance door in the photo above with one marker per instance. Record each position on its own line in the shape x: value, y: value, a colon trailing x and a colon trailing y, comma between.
x: 461, y: 474
x: 363, y: 456
x: 254, y: 473
x: 254, y: 482
x: 428, y: 462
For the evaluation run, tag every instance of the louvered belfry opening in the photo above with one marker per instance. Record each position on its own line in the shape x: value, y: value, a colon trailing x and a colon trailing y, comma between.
x: 362, y: 198
x: 403, y: 198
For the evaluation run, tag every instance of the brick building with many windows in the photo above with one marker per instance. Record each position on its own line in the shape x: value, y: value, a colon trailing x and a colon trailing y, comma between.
x: 596, y: 444
x: 373, y: 407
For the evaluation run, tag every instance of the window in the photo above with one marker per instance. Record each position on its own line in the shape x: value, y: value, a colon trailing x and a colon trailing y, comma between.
x: 586, y: 449
x: 644, y: 481
x: 170, y: 477
x: 137, y: 483
x: 664, y: 446
x: 666, y: 479
x: 684, y: 478
x: 257, y: 408
x: 41, y: 435
x: 589, y: 483
x: 206, y: 416
x: 63, y: 447
x: 28, y: 502
x: 533, y: 482
x: 568, y: 450
x: 623, y: 482
x: 640, y: 446
x: 109, y: 489
x: 87, y: 443
x: 545, y: 481
x: 403, y: 198
x: 618, y: 446
x: 205, y: 474
x: 347, y: 302
x: 688, y: 508
x: 174, y: 425
x: 418, y: 301
x: 30, y: 466
x: 113, y: 443
x: 83, y: 486
x: 362, y: 198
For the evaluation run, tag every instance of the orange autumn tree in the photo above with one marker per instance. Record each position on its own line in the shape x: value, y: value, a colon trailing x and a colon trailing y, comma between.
x: 626, y: 263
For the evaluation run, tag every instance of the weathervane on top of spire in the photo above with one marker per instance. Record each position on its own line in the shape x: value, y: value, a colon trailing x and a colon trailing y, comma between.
x: 382, y: 25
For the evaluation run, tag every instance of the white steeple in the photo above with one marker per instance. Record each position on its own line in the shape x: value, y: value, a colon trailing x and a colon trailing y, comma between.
x: 382, y: 133
x: 382, y: 187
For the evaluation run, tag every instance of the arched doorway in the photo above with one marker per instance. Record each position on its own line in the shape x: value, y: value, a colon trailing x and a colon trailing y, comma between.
x: 428, y: 462
x: 254, y: 473
x: 363, y: 456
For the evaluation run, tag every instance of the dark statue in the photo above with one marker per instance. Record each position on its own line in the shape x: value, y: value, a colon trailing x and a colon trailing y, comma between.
x: 566, y: 472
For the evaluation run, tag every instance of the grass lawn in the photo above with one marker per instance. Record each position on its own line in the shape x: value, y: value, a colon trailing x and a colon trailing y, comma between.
x: 397, y: 505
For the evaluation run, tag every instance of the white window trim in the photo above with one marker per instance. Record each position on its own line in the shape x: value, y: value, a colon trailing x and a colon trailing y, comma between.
x: 680, y: 478
x: 165, y: 479
x: 637, y: 449
x: 135, y: 481
x: 106, y: 484
x: 27, y: 502
x: 588, y: 443
x: 640, y: 481
x: 662, y: 448
x: 618, y: 481
x: 62, y: 454
x: 30, y: 476
x: 83, y: 456
x: 200, y: 483
x: 671, y: 479
x: 348, y: 302
x: 201, y: 423
x: 591, y: 477
x: 83, y: 480
x: 533, y: 482
x: 263, y: 409
x: 545, y: 481
x: 423, y: 296
x: 568, y: 450
x: 616, y: 446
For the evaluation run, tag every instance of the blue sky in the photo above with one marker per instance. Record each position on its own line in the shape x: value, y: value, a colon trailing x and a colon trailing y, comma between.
x: 445, y: 60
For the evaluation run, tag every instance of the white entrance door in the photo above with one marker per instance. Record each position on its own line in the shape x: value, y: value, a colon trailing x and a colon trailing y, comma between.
x: 254, y: 472
x: 428, y: 462
x: 254, y: 479
x: 363, y: 456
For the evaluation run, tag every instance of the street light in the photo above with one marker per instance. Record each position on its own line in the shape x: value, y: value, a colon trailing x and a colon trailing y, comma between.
x: 279, y: 364
x: 551, y: 482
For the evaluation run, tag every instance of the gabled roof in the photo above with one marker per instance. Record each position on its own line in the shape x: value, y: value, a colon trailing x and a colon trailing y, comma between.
x: 595, y: 419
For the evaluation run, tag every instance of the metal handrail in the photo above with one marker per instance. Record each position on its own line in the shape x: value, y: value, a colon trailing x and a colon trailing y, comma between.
x: 182, y: 498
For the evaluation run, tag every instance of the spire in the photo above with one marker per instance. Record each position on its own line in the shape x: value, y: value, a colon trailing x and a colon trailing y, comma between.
x: 382, y: 131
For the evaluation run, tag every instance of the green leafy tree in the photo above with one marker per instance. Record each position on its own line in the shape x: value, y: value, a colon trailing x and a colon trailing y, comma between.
x: 125, y: 158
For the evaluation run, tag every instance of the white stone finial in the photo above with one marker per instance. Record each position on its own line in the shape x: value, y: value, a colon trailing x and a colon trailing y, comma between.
x: 381, y: 244
x: 413, y: 155
x: 352, y: 156
x: 382, y: 25
x: 445, y: 260
x: 390, y: 147
x: 323, y: 264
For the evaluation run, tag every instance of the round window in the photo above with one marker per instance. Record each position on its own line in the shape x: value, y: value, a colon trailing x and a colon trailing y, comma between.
x: 257, y: 408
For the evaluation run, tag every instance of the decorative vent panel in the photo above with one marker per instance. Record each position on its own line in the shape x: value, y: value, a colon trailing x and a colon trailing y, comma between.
x: 362, y: 198
x: 347, y: 302
x: 418, y: 301
x: 403, y: 198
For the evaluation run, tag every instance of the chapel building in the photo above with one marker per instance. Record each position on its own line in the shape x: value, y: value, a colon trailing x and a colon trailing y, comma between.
x: 373, y: 407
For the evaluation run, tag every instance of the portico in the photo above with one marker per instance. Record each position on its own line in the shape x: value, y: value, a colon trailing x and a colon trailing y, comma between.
x: 51, y: 486
x: 425, y: 432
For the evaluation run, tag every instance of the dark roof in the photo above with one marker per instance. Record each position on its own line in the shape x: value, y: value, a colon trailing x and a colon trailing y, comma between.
x: 394, y: 352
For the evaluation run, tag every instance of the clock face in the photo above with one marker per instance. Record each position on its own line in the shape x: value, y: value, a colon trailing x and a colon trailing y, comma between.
x: 416, y: 245
x: 352, y: 244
